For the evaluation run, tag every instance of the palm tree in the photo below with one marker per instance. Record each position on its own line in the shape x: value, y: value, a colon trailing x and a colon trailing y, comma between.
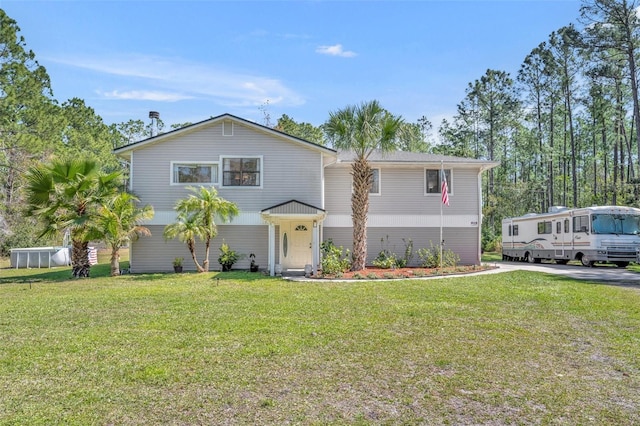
x: 186, y: 229
x: 362, y: 129
x: 67, y: 194
x: 121, y: 222
x: 196, y: 218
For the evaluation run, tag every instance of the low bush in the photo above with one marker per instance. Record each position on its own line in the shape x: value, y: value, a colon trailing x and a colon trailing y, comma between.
x: 335, y: 260
x: 385, y: 260
x: 430, y: 258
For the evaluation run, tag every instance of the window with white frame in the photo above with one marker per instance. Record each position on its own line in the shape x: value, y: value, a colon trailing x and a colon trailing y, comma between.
x: 433, y: 182
x: 242, y: 171
x: 192, y: 172
x: 375, y: 182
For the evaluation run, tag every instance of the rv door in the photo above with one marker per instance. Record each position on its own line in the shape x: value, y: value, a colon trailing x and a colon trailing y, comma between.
x: 558, y: 238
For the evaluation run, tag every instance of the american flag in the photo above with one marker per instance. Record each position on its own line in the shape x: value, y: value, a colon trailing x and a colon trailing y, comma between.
x: 444, y: 189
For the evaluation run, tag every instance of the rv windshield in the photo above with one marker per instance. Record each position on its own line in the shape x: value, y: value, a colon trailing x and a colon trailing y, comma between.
x: 626, y: 224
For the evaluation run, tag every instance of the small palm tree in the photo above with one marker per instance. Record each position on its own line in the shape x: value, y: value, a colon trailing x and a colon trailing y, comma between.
x: 186, y: 229
x: 67, y: 194
x: 362, y: 129
x: 121, y: 222
x: 196, y: 219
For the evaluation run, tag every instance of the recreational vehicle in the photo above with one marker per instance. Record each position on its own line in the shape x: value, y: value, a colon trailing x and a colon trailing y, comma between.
x: 593, y: 234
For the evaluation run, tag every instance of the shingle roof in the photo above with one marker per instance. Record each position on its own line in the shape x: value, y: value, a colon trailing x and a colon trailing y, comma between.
x: 412, y: 157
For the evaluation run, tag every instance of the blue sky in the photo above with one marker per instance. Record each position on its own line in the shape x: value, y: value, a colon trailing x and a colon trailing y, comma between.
x: 191, y: 60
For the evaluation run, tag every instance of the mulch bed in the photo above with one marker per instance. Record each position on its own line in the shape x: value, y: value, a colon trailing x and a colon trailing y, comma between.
x: 373, y: 273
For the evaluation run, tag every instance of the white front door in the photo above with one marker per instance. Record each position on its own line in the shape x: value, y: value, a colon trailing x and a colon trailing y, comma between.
x: 296, y: 238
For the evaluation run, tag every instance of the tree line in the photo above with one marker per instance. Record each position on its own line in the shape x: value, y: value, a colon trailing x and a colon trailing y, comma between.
x: 565, y: 128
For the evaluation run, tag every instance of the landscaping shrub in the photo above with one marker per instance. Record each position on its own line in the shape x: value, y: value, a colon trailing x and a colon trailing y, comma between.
x: 386, y: 259
x: 335, y: 260
x: 430, y: 258
x: 408, y: 254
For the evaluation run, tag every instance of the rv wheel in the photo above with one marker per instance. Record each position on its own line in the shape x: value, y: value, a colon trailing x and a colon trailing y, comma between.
x: 586, y: 262
x: 530, y: 258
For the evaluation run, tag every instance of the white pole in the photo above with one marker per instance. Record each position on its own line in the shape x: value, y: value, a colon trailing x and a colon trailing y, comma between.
x: 441, y: 203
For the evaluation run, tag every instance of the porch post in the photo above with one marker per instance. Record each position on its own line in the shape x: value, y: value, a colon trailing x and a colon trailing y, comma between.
x: 272, y: 249
x: 314, y: 247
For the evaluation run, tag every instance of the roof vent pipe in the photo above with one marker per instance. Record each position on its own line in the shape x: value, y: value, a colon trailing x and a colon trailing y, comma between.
x: 154, y: 116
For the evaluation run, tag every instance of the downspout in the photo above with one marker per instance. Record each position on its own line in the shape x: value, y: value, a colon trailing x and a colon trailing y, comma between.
x: 317, y: 231
x: 479, y: 253
x: 131, y: 172
x: 132, y: 243
x: 272, y: 247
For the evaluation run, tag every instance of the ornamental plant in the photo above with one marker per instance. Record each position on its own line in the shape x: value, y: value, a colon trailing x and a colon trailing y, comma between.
x: 335, y: 260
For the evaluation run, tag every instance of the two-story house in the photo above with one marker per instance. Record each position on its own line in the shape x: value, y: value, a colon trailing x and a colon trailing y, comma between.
x: 294, y: 194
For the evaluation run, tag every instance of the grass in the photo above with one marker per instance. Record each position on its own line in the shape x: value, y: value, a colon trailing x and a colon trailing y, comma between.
x: 241, y: 348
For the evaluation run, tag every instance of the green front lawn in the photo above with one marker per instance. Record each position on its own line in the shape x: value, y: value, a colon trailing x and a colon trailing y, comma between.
x: 241, y: 348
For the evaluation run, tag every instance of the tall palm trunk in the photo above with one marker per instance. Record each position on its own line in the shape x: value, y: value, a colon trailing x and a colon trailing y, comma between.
x: 362, y: 175
x: 80, y: 259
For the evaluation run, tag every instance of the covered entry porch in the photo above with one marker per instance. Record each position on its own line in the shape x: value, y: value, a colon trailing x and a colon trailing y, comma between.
x: 296, y: 245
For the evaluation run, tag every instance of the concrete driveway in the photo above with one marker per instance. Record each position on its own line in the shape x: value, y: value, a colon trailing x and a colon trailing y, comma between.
x: 598, y: 273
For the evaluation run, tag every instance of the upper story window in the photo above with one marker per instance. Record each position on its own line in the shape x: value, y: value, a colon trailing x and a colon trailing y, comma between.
x: 433, y: 183
x: 192, y: 172
x: 375, y: 182
x: 242, y: 171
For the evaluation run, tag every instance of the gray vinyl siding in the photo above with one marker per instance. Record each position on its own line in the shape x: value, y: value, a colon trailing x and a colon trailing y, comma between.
x: 463, y: 241
x: 294, y: 170
x: 290, y: 170
x: 402, y: 192
x: 154, y: 254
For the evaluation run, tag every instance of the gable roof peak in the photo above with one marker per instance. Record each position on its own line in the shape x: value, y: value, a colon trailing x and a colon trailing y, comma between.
x: 125, y: 149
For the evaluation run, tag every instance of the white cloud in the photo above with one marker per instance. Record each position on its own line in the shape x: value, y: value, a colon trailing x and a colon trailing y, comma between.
x: 144, y: 95
x: 335, y: 50
x: 173, y: 79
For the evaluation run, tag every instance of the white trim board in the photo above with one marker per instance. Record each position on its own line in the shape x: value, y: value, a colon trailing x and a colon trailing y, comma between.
x: 404, y: 221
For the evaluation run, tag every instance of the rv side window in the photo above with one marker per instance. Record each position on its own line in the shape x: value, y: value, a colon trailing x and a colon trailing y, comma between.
x: 544, y: 227
x: 509, y: 230
x: 581, y: 224
x: 558, y: 227
x: 566, y: 226
x: 515, y: 229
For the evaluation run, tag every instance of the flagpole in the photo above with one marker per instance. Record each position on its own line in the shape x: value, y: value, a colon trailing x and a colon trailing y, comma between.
x: 441, y: 203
